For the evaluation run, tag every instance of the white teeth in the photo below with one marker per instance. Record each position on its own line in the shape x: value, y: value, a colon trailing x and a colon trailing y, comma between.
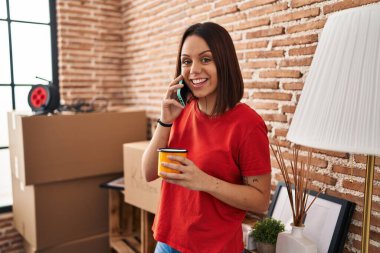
x: 196, y: 81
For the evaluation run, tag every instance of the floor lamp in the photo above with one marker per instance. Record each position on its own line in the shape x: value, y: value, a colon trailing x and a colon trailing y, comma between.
x: 339, y: 108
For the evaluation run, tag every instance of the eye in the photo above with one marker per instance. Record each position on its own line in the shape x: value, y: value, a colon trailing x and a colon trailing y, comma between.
x: 206, y: 59
x: 186, y: 62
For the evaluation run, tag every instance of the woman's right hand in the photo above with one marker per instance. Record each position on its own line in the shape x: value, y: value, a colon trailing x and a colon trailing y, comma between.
x: 170, y: 107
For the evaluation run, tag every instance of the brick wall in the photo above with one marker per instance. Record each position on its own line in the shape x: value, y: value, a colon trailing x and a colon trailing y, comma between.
x: 125, y: 51
x: 90, y: 50
x: 10, y: 240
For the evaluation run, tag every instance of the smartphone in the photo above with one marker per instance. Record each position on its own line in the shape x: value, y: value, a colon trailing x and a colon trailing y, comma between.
x: 182, y: 93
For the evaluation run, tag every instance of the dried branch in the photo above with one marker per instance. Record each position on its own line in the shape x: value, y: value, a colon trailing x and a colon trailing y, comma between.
x: 301, y: 173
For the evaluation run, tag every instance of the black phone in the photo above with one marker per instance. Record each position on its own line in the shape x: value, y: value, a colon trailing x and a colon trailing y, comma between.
x: 182, y: 93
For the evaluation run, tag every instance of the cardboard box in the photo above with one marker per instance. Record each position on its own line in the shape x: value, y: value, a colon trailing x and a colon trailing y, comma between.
x: 56, y: 213
x: 93, y: 244
x: 55, y: 148
x: 138, y: 192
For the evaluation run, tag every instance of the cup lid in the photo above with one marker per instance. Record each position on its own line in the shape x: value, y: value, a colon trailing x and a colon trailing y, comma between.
x: 172, y: 150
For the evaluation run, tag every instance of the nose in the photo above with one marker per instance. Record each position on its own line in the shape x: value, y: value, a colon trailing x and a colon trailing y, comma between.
x: 195, y: 68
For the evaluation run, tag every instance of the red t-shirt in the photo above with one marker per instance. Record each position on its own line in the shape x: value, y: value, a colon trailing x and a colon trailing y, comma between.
x: 228, y: 147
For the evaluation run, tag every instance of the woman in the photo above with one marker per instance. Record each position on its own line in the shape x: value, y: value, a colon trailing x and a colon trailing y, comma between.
x: 227, y: 169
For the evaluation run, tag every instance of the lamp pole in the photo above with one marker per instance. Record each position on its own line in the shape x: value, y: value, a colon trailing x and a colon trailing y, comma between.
x: 367, y: 203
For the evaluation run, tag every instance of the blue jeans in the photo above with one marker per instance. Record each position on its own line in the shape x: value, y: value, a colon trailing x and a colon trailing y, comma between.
x: 164, y: 248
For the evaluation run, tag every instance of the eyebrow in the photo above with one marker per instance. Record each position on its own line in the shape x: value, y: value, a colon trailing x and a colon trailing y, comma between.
x: 199, y: 53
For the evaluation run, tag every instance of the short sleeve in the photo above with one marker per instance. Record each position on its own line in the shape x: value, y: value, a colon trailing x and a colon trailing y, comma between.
x: 254, y: 155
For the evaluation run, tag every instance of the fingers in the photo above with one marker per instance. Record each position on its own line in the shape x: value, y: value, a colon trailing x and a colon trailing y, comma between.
x: 173, y: 86
x: 181, y: 159
x: 176, y: 80
x: 173, y: 166
x: 168, y: 102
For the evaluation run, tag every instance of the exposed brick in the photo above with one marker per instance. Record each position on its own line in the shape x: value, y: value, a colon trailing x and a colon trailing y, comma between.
x: 301, y: 40
x: 273, y: 95
x: 292, y: 86
x: 306, y: 27
x: 281, y: 143
x: 363, y: 159
x: 224, y: 2
x: 227, y: 20
x: 359, y: 186
x: 345, y: 4
x: 296, y: 62
x: 224, y: 11
x: 274, y: 117
x: 252, y: 24
x: 266, y: 32
x: 189, y: 4
x: 281, y: 132
x: 331, y: 153
x: 265, y: 54
x: 295, y: 15
x: 262, y: 85
x: 313, y: 161
x: 10, y: 239
x: 324, y: 178
x: 302, y: 50
x: 247, y: 74
x: 251, y: 45
x: 288, y: 108
x: 300, y: 3
x: 355, y: 199
x: 280, y: 74
x: 355, y: 171
x: 268, y: 9
x: 200, y: 9
x: 260, y: 64
x: 252, y: 4
x: 265, y: 106
x: 371, y: 248
x: 375, y: 220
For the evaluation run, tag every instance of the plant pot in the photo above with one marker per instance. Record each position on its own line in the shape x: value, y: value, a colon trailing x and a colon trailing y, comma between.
x: 263, y: 247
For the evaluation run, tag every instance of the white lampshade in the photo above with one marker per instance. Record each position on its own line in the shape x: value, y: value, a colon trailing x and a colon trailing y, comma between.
x: 339, y: 108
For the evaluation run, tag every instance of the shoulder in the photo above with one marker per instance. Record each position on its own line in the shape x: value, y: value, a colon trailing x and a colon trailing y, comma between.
x: 243, y: 114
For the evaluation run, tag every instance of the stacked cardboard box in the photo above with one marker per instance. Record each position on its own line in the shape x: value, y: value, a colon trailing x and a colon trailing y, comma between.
x: 58, y: 163
x: 138, y: 192
x: 97, y: 243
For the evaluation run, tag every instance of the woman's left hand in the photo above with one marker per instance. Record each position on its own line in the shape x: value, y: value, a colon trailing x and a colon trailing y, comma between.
x: 190, y: 175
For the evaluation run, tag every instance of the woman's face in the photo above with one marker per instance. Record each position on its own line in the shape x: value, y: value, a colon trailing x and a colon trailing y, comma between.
x: 198, y: 67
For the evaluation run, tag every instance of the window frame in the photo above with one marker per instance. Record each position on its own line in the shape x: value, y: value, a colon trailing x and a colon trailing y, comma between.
x: 54, y: 59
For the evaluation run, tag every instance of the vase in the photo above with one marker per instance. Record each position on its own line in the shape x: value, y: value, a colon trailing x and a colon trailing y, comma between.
x: 263, y: 247
x: 295, y: 241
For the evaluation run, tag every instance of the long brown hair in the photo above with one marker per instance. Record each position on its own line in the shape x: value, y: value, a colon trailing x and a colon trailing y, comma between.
x: 230, y: 86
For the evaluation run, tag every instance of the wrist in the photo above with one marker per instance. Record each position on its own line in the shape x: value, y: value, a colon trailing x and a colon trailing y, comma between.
x: 164, y: 124
x: 212, y: 184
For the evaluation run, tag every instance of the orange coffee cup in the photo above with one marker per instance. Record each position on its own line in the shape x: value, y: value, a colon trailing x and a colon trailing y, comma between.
x: 163, y: 154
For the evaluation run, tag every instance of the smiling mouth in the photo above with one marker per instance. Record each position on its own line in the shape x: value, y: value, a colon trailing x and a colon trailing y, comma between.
x: 199, y: 82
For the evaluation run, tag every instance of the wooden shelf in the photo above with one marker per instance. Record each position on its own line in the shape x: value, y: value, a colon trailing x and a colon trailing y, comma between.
x: 129, y: 227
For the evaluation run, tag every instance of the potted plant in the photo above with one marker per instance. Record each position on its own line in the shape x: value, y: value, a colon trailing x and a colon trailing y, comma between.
x: 265, y: 234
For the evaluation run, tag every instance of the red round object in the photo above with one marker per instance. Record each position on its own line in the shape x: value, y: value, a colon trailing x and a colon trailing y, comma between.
x: 38, y: 97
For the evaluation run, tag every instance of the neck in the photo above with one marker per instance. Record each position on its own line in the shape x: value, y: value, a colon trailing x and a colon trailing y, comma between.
x: 206, y: 105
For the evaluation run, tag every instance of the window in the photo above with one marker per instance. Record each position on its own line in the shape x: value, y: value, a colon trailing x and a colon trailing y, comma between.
x: 28, y: 48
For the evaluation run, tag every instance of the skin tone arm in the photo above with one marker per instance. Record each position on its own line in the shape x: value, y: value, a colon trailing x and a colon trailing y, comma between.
x: 170, y: 110
x: 253, y: 196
